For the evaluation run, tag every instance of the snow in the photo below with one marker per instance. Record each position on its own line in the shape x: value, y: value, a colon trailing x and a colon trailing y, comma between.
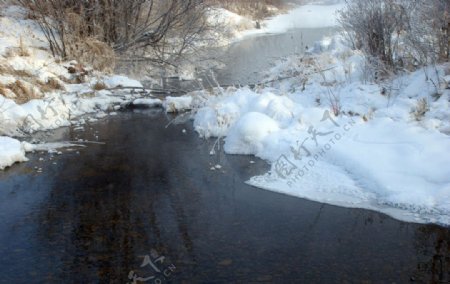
x: 177, y: 104
x: 11, y: 151
x: 121, y: 81
x: 147, y: 102
x: 248, y: 134
x: 305, y: 16
x: 26, y: 57
x: 49, y: 147
x: 376, y: 154
x: 237, y: 27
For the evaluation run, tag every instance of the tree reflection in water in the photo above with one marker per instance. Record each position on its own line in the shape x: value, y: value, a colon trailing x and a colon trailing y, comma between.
x: 433, y: 247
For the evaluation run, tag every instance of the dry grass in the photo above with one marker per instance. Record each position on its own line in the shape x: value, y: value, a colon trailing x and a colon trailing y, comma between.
x: 67, y: 80
x: 21, y: 73
x: 88, y: 50
x: 23, y: 50
x: 53, y: 84
x: 20, y: 50
x: 3, y: 91
x: 6, y: 69
x: 99, y: 85
x: 421, y: 109
x: 24, y: 91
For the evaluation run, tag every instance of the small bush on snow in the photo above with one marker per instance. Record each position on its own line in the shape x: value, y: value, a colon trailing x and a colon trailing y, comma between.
x: 421, y: 109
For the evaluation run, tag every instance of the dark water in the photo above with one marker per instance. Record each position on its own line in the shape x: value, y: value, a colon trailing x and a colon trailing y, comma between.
x: 94, y: 215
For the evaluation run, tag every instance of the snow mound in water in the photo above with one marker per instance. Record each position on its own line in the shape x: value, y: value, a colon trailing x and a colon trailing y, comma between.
x: 177, y: 104
x: 147, y: 102
x: 248, y: 134
x: 11, y: 151
x: 215, y: 119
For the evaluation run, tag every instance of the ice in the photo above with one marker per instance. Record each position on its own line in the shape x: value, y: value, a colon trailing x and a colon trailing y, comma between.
x: 48, y: 147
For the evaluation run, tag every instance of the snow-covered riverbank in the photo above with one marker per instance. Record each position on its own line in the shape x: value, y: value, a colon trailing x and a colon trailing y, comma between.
x: 237, y: 27
x: 39, y: 92
x: 331, y: 137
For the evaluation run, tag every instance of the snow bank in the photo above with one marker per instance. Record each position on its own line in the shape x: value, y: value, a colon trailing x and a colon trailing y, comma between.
x: 177, y: 104
x: 147, y: 102
x: 51, y: 101
x: 378, y: 154
x: 58, y: 109
x: 305, y: 16
x: 248, y: 134
x: 11, y: 151
x: 121, y: 81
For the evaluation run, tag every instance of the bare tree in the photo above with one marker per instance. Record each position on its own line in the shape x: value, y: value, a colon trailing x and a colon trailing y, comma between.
x: 155, y: 29
x: 371, y: 25
x: 428, y: 36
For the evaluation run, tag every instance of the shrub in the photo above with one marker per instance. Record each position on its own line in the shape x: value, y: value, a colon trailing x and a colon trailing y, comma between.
x: 74, y: 27
x: 371, y: 24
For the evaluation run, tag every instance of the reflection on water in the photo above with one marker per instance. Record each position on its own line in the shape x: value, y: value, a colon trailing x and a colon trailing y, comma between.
x: 148, y: 196
x: 434, y: 241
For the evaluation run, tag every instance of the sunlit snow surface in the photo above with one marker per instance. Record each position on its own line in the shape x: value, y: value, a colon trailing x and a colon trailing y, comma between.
x: 306, y: 16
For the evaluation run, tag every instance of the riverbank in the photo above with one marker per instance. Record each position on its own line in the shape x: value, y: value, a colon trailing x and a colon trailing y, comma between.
x: 330, y: 136
x: 334, y: 134
x: 39, y: 92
